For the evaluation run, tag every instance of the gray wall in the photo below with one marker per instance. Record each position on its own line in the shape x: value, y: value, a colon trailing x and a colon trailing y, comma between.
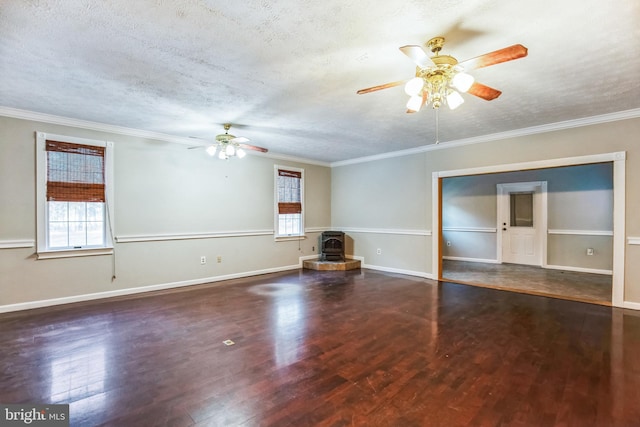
x: 161, y: 189
x: 360, y: 198
x: 580, y: 201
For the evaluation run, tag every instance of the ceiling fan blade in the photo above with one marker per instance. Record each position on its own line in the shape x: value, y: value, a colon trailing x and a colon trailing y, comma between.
x: 485, y: 92
x: 380, y: 87
x: 195, y: 147
x: 418, y: 55
x: 253, y: 147
x: 496, y: 57
x: 240, y: 139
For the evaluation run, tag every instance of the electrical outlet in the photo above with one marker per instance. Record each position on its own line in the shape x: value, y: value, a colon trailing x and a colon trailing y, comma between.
x: 203, y: 260
x: 379, y: 251
x: 589, y: 251
x: 219, y: 259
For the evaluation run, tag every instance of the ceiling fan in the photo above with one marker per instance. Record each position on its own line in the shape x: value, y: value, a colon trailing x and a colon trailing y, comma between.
x: 439, y: 79
x: 228, y: 145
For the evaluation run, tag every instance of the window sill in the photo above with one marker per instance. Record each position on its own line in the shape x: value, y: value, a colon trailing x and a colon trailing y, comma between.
x: 289, y: 238
x: 71, y: 253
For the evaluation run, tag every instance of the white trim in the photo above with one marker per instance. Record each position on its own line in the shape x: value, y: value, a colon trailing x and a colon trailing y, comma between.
x: 191, y: 236
x: 484, y: 261
x: 536, y: 164
x: 619, y: 227
x: 120, y: 130
x: 582, y: 232
x: 631, y: 305
x: 72, y: 253
x: 580, y: 269
x: 397, y: 231
x: 422, y: 274
x: 436, y: 197
x: 139, y: 290
x: 16, y: 244
x: 471, y: 229
x: 605, y: 118
x: 633, y: 240
x: 619, y: 174
x: 316, y: 229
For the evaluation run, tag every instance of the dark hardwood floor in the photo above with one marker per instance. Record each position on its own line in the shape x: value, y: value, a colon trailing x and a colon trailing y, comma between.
x: 334, y: 348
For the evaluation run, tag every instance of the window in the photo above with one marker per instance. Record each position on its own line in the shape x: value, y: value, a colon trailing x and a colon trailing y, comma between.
x: 289, y: 217
x: 521, y: 209
x: 73, y: 194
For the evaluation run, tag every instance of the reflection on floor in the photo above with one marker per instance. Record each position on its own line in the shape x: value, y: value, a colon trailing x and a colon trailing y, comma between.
x: 586, y: 287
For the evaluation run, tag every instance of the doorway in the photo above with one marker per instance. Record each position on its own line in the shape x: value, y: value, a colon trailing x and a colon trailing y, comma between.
x: 617, y: 161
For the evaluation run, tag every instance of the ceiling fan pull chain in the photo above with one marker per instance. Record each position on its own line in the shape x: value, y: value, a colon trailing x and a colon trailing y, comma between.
x: 437, y: 127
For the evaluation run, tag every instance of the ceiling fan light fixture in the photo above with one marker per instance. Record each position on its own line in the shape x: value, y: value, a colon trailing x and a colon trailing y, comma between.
x: 462, y: 81
x: 414, y: 86
x: 240, y: 153
x: 222, y: 155
x: 414, y: 103
x: 211, y: 150
x: 454, y: 100
x: 230, y: 150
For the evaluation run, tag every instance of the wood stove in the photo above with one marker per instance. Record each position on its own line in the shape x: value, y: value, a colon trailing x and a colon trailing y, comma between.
x: 332, y: 246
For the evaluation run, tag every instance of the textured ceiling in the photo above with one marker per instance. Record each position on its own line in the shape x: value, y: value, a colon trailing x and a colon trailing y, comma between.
x: 285, y: 73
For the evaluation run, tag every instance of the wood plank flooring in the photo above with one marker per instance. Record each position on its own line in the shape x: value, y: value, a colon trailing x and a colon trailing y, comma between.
x: 576, y: 286
x: 316, y: 348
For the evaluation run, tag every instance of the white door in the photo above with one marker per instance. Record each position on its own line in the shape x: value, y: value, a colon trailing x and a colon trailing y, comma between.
x: 522, y: 222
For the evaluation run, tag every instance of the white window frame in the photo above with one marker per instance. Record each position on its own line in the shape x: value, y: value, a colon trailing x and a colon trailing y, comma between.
x: 276, y: 225
x: 43, y: 250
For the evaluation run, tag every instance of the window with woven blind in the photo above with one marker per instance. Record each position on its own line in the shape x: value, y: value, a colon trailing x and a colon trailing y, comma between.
x: 289, y: 202
x: 72, y: 204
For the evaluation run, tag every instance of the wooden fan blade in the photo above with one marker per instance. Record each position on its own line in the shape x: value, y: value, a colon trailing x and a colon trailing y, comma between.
x: 253, y: 147
x: 380, y: 87
x: 496, y: 57
x: 417, y: 55
x: 484, y: 92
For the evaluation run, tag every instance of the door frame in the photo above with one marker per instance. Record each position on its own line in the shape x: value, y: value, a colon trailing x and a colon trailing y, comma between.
x: 619, y: 207
x: 540, y: 212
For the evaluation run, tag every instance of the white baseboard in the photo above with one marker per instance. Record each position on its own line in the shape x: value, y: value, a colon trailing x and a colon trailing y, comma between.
x: 631, y: 305
x: 457, y: 258
x: 399, y: 271
x: 142, y: 289
x: 580, y: 269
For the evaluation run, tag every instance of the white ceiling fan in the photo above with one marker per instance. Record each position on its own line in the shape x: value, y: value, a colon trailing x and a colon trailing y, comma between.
x: 227, y: 145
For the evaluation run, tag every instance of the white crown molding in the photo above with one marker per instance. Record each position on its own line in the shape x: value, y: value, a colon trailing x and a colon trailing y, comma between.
x: 121, y: 130
x: 551, y: 127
